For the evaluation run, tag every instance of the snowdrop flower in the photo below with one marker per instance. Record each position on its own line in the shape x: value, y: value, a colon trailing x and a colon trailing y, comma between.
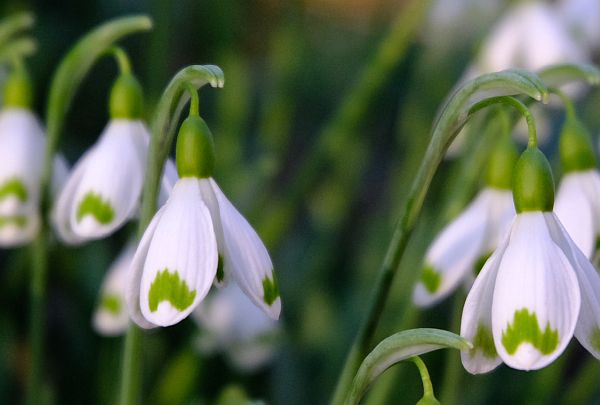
x: 22, y: 146
x: 195, y: 239
x: 536, y: 290
x: 104, y: 189
x: 581, y: 17
x: 231, y: 323
x: 111, y: 317
x: 578, y: 197
x: 459, y: 250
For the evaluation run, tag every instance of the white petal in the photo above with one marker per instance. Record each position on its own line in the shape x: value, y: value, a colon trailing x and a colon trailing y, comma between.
x: 587, y: 330
x: 536, y: 297
x: 136, y: 270
x: 168, y: 181
x: 246, y: 258
x: 575, y: 212
x: 454, y: 252
x: 20, y: 229
x: 111, y: 315
x: 109, y: 191
x: 590, y: 183
x: 181, y: 262
x: 60, y: 174
x: 476, y: 321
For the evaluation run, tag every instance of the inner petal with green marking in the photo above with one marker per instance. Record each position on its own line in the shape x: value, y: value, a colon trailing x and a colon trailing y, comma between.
x: 526, y: 329
x: 431, y: 279
x: 111, y: 303
x: 270, y: 290
x: 169, y: 287
x: 93, y: 204
x: 20, y: 221
x: 13, y: 187
x: 483, y: 341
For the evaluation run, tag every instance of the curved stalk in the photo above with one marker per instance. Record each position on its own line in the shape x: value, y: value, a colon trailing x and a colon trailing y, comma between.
x: 17, y: 50
x: 12, y: 25
x: 163, y: 128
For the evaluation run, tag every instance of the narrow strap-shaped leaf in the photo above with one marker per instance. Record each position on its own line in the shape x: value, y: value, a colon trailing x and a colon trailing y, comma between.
x: 10, y: 26
x: 73, y: 69
x: 557, y: 75
x: 164, y: 125
x: 397, y: 348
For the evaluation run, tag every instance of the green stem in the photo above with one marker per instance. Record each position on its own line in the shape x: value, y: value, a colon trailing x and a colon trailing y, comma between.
x: 427, y: 386
x: 122, y: 59
x: 16, y: 50
x: 194, y: 101
x: 10, y: 26
x: 163, y: 127
x: 452, y: 118
x: 566, y: 100
x: 453, y: 368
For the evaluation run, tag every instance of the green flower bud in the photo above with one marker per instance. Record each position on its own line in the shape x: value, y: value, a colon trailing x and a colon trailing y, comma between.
x: 501, y: 164
x: 576, y: 150
x: 428, y: 400
x: 18, y: 90
x: 195, y: 152
x: 126, y: 98
x: 533, y: 184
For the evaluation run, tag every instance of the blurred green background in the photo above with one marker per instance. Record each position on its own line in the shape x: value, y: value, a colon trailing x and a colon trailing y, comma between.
x: 318, y: 167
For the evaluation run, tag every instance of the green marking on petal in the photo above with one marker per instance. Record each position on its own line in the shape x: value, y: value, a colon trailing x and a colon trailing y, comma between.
x: 431, y: 279
x: 526, y: 329
x: 484, y: 342
x: 220, y: 272
x: 595, y: 339
x: 14, y: 187
x: 169, y: 287
x: 111, y: 303
x: 479, y: 263
x: 270, y: 290
x: 93, y: 204
x: 20, y: 221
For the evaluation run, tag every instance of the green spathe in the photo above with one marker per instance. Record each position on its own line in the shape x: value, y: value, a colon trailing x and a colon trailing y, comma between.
x: 126, y: 98
x: 14, y: 187
x: 533, y: 185
x: 483, y: 341
x: 576, y: 150
x: 526, y: 329
x: 18, y: 90
x: 431, y: 279
x: 270, y: 290
x: 501, y: 164
x: 111, y: 303
x: 195, y: 152
x: 169, y: 287
x: 93, y: 204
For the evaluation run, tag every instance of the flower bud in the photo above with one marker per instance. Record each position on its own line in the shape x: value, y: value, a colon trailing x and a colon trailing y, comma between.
x: 195, y: 149
x: 18, y: 90
x: 501, y: 164
x: 576, y: 151
x: 126, y: 98
x: 533, y: 185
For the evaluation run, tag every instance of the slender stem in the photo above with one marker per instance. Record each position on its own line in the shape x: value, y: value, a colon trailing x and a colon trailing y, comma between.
x: 194, y: 101
x: 427, y: 386
x: 11, y: 26
x: 453, y: 368
x: 130, y: 374
x: 566, y: 100
x: 121, y: 57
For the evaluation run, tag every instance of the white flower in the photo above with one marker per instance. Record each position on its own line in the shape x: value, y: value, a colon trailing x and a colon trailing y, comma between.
x: 231, y: 323
x: 176, y: 261
x: 105, y: 186
x: 581, y: 16
x: 534, y: 292
x: 22, y: 148
x: 578, y: 208
x: 111, y: 317
x: 470, y: 238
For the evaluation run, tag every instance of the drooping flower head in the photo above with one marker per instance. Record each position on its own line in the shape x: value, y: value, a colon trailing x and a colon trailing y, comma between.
x: 195, y: 239
x: 105, y: 187
x: 536, y: 290
x: 22, y: 146
x: 459, y: 251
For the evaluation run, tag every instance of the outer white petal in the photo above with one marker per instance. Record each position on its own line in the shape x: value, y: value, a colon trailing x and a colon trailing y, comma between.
x: 476, y: 322
x: 113, y: 174
x: 502, y: 213
x: 454, y: 252
x: 574, y: 210
x: 537, y: 287
x: 587, y: 330
x: 590, y: 183
x: 60, y: 174
x: 246, y: 258
x: 13, y: 233
x: 582, y: 16
x: 167, y: 182
x: 181, y: 262
x: 136, y: 270
x: 111, y: 315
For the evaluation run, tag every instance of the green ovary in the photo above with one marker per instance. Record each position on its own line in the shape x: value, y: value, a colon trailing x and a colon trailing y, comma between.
x: 526, y: 329
x: 484, y: 341
x: 431, y: 279
x: 270, y: 290
x: 92, y: 204
x: 20, y: 221
x: 220, y: 272
x: 595, y: 339
x: 14, y: 187
x: 111, y: 303
x: 169, y: 287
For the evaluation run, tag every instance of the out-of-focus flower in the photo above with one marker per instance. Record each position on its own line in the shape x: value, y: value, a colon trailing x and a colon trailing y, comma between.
x: 536, y: 290
x: 229, y: 322
x: 581, y: 17
x: 178, y: 257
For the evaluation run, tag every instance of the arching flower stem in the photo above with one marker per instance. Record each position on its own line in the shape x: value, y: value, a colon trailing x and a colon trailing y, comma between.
x: 121, y: 58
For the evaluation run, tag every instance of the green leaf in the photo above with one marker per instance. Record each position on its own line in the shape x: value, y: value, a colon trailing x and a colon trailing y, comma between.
x: 17, y: 49
x: 396, y: 348
x: 557, y: 75
x: 12, y: 25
